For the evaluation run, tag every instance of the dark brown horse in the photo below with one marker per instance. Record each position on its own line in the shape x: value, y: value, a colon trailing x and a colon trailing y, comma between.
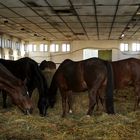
x: 47, y: 64
x: 90, y: 74
x: 16, y: 89
x: 27, y: 68
x: 126, y: 73
x: 48, y: 69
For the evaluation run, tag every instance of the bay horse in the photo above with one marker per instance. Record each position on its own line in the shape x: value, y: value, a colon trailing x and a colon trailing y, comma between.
x: 76, y: 76
x: 16, y: 89
x: 48, y: 69
x: 126, y: 73
x: 47, y: 64
x: 27, y: 68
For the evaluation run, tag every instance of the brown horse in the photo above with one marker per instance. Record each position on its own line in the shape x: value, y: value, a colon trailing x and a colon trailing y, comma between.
x: 16, y: 89
x: 126, y: 73
x: 47, y: 64
x: 48, y: 69
x: 90, y: 74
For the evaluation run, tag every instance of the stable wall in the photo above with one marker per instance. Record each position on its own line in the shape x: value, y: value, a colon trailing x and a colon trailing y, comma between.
x: 77, y: 47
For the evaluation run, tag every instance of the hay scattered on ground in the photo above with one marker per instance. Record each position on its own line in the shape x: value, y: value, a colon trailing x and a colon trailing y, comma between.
x: 125, y: 125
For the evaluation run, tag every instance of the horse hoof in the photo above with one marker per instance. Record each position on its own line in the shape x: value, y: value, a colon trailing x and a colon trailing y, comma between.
x: 70, y: 111
x: 88, y: 116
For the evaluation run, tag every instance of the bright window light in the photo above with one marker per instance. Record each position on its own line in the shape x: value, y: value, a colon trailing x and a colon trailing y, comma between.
x: 41, y: 47
x: 65, y: 47
x: 135, y: 47
x: 54, y: 48
x: 45, y: 47
x: 34, y: 48
x: 30, y: 47
x: 89, y: 53
x: 123, y: 47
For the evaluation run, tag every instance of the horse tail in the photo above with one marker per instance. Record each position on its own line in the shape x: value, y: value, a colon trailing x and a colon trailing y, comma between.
x: 109, y: 89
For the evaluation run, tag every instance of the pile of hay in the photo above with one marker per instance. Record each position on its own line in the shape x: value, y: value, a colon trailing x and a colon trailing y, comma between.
x: 125, y: 125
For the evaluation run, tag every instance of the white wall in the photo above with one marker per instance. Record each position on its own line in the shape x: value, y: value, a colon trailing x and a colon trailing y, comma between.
x: 76, y: 52
x: 77, y: 47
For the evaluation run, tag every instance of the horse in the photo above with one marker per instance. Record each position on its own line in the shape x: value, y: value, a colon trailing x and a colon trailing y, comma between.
x: 48, y: 69
x: 27, y: 68
x: 126, y: 73
x: 76, y: 76
x: 47, y: 64
x: 16, y: 89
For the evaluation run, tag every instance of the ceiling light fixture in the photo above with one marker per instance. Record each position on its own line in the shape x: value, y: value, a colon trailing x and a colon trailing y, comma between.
x: 122, y: 35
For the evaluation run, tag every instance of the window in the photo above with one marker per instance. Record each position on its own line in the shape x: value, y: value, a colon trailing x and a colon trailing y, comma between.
x: 54, y: 48
x: 25, y: 47
x: 88, y: 53
x: 34, y: 47
x: 9, y: 43
x: 135, y: 47
x: 123, y: 47
x: 17, y: 46
x: 43, y: 47
x: 31, y: 47
x: 65, y: 47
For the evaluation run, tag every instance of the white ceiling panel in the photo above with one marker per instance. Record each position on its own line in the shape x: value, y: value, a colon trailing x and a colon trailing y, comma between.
x: 7, y: 13
x: 70, y: 18
x: 100, y: 24
x: 52, y: 30
x: 53, y: 19
x: 44, y: 11
x: 89, y: 25
x: 105, y: 18
x: 12, y: 3
x: 74, y: 25
x: 20, y: 20
x: 85, y: 10
x: 87, y: 18
x: 59, y: 2
x: 45, y: 25
x: 36, y: 19
x: 106, y: 2
x: 123, y: 18
x: 106, y: 10
x: 1, y: 6
x: 35, y: 3
x: 82, y: 2
x: 126, y: 10
x: 89, y: 30
x: 123, y: 2
x: 119, y: 24
x: 24, y: 12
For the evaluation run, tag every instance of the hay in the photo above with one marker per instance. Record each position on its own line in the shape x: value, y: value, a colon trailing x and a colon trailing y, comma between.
x: 125, y: 125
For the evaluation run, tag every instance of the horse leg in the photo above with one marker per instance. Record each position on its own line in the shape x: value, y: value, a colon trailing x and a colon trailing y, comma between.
x: 64, y: 100
x: 70, y: 101
x: 4, y: 96
x: 137, y: 91
x: 92, y: 101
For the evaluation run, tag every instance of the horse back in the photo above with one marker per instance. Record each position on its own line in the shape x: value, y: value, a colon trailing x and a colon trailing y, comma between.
x: 80, y: 75
x: 126, y: 72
